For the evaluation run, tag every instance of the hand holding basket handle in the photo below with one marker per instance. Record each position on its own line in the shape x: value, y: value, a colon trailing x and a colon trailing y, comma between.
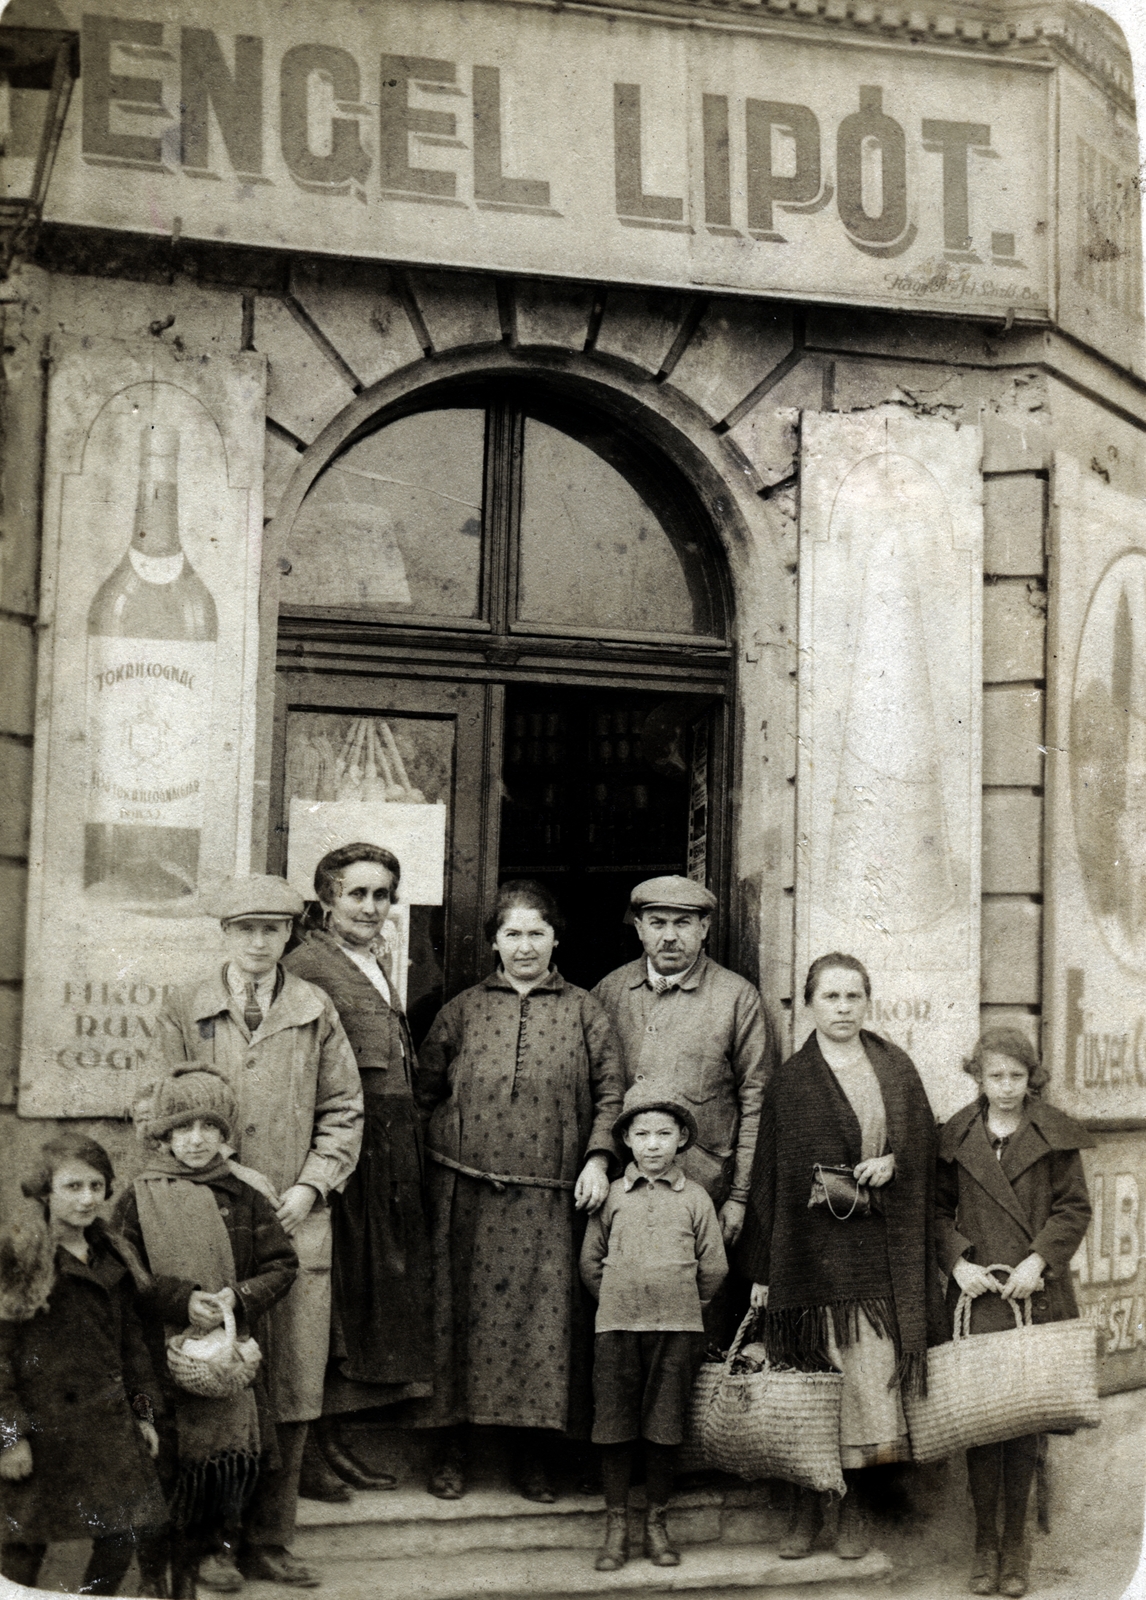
x: 216, y: 1365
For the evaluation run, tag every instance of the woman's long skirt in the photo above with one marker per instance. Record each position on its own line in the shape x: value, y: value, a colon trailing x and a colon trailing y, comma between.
x: 512, y: 1325
x: 381, y: 1346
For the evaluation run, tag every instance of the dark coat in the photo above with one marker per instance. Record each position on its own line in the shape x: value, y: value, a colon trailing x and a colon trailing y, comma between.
x: 265, y: 1268
x: 68, y: 1376
x: 381, y: 1262
x: 1032, y: 1201
x: 884, y: 1262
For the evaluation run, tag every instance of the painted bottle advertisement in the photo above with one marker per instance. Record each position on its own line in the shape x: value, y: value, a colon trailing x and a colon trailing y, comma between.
x: 152, y: 638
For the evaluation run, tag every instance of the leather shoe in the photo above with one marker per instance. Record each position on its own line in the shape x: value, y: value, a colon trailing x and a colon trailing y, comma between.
x: 316, y: 1481
x: 273, y: 1563
x: 218, y: 1571
x: 535, y: 1483
x: 339, y: 1459
x: 447, y: 1479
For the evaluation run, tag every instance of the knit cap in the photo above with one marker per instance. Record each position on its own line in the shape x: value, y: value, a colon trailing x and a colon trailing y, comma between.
x: 192, y: 1090
x: 642, y: 1097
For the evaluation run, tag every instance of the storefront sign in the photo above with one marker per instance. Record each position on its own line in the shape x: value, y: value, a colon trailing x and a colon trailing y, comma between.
x: 890, y: 694
x: 1096, y: 921
x: 535, y: 139
x: 144, y: 730
x: 1110, y: 1264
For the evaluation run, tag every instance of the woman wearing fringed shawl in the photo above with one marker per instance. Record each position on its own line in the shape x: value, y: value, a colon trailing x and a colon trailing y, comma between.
x: 859, y: 1292
x: 207, y: 1231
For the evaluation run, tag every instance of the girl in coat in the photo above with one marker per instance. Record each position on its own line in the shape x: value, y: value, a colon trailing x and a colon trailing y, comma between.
x: 208, y: 1233
x: 1011, y: 1191
x: 77, y: 1435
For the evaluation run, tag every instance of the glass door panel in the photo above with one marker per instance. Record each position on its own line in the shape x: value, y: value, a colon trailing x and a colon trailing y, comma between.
x: 395, y: 523
x: 378, y: 761
x: 601, y: 789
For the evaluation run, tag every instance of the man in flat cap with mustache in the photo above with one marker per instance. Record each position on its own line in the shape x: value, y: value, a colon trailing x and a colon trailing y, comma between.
x: 696, y: 1031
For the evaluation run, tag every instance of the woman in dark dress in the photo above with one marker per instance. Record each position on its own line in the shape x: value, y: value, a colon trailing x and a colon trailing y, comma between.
x: 851, y: 1288
x: 524, y: 1079
x: 380, y: 1332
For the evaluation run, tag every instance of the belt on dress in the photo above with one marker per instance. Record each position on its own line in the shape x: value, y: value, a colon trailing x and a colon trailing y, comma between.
x: 500, y: 1180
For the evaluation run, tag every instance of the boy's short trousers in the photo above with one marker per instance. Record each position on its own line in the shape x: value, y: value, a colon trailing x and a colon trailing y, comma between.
x: 641, y: 1385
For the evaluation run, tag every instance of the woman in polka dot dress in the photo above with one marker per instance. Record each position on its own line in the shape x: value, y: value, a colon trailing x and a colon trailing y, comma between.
x: 523, y: 1075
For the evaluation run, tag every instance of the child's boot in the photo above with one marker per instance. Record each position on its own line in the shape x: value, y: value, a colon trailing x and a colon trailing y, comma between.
x: 804, y: 1521
x: 1014, y: 1568
x: 984, y: 1569
x: 615, y: 1551
x: 218, y: 1569
x: 657, y: 1546
x: 852, y: 1540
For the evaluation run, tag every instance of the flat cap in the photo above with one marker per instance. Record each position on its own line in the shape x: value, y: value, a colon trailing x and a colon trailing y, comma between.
x: 681, y: 894
x: 641, y: 1097
x: 257, y: 896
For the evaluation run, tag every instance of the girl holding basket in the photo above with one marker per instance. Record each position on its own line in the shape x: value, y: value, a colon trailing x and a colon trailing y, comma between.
x: 1011, y: 1193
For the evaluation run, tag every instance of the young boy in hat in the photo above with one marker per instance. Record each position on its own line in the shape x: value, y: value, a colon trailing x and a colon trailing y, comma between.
x: 279, y: 1041
x: 653, y: 1257
x: 207, y: 1232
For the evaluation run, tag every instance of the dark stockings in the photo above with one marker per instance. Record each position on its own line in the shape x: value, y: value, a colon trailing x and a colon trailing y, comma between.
x: 106, y: 1569
x: 1009, y: 1469
x: 617, y: 1472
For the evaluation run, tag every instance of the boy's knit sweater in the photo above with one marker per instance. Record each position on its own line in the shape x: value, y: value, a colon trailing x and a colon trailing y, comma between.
x: 653, y: 1255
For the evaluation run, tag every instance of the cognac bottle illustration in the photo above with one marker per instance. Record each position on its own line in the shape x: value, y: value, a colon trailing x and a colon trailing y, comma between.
x: 152, y: 631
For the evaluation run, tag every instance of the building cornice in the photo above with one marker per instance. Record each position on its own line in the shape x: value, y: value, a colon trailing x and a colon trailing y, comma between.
x: 1078, y: 34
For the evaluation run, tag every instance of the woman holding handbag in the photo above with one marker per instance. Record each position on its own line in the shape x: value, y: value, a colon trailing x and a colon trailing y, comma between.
x: 1011, y: 1192
x: 838, y: 1235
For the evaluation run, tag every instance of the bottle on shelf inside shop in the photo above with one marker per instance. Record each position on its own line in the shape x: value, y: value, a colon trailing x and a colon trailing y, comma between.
x: 152, y: 639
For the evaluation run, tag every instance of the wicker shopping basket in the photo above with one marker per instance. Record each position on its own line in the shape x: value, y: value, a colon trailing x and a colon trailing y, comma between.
x: 984, y: 1387
x: 768, y: 1424
x: 215, y: 1365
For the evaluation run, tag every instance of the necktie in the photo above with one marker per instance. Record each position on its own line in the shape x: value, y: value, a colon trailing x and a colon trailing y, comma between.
x: 252, y: 1011
x: 662, y: 985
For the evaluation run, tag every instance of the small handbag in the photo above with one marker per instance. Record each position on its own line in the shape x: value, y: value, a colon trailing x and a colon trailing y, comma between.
x: 985, y: 1387
x: 767, y: 1423
x: 216, y: 1365
x: 838, y: 1189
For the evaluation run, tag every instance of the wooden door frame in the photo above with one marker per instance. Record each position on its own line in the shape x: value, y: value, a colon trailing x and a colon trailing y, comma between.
x: 325, y: 666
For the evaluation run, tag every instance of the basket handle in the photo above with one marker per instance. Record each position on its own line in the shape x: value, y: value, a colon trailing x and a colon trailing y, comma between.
x: 1023, y: 1317
x: 733, y: 1351
x: 229, y: 1325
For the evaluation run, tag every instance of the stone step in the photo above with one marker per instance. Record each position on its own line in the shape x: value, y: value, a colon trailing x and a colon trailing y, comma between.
x: 562, y: 1574
x: 407, y: 1523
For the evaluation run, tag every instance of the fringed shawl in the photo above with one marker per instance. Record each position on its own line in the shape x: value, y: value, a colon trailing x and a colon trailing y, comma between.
x: 817, y: 1268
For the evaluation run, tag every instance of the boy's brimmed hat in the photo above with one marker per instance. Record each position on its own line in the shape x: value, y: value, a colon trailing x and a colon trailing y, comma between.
x: 193, y: 1090
x: 259, y: 896
x: 641, y: 1097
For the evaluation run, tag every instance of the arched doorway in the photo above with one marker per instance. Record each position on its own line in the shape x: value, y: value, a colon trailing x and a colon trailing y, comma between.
x: 497, y: 602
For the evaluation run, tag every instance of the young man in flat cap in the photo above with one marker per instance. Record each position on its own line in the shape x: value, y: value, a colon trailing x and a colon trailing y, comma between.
x: 278, y: 1040
x: 695, y: 1032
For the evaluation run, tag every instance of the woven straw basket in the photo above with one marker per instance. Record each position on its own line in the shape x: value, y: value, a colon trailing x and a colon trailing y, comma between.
x: 216, y: 1365
x: 984, y: 1387
x: 769, y: 1424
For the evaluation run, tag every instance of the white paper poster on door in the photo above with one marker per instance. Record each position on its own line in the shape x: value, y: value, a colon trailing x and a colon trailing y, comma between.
x: 144, y: 727
x: 890, y: 698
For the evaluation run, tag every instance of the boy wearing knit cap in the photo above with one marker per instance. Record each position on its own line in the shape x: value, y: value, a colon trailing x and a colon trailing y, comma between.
x: 299, y: 1097
x: 207, y: 1231
x: 653, y: 1257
